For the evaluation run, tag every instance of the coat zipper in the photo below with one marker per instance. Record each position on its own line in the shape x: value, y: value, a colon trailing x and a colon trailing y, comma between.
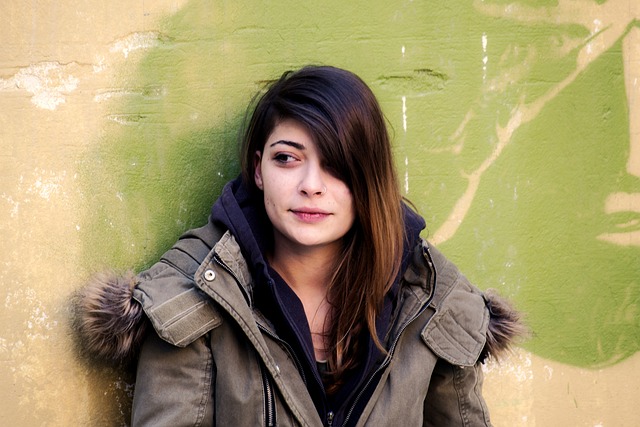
x: 395, y: 342
x: 330, y: 415
x: 269, y: 399
x: 381, y: 367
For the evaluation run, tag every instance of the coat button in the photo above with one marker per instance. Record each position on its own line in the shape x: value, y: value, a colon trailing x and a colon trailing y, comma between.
x: 209, y: 275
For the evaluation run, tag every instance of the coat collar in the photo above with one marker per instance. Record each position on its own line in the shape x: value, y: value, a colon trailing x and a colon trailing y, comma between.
x: 225, y: 275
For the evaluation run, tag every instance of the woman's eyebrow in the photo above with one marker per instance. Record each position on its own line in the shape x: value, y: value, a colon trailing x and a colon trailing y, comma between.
x: 293, y: 144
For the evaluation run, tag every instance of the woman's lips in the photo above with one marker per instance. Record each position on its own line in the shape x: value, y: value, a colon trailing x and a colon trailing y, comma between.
x: 310, y: 215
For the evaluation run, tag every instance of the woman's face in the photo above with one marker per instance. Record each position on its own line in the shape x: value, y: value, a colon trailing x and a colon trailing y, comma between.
x: 308, y: 207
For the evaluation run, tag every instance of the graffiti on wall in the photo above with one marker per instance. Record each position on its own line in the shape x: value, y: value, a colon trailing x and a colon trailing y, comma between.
x: 516, y: 129
x: 567, y: 92
x: 572, y: 239
x: 606, y: 24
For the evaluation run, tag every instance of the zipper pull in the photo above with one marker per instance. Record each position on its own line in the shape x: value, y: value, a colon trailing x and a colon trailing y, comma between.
x: 329, y: 418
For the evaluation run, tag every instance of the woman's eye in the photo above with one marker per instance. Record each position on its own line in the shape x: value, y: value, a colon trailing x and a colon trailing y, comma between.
x: 284, y: 158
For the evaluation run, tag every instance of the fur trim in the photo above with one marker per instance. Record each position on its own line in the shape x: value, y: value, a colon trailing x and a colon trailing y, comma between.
x: 110, y: 324
x: 505, y: 326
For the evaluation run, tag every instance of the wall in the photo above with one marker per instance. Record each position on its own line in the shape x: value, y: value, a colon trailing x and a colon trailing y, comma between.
x: 517, y: 134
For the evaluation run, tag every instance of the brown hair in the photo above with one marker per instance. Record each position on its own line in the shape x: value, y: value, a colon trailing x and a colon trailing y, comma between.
x: 344, y: 118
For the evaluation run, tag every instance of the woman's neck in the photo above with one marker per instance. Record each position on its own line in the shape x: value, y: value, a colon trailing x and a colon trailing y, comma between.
x: 304, y: 272
x: 308, y: 274
x: 304, y: 268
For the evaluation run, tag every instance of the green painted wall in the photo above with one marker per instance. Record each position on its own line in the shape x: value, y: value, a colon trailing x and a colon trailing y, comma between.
x: 492, y: 108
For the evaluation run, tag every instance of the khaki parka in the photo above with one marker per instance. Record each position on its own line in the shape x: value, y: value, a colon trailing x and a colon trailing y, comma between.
x: 212, y: 359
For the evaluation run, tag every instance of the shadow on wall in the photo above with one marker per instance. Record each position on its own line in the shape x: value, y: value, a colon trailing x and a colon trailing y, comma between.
x: 506, y: 125
x: 169, y: 146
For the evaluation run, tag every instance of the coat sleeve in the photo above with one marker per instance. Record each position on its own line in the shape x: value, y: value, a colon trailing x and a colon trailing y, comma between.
x: 455, y: 397
x: 174, y: 386
x: 468, y: 327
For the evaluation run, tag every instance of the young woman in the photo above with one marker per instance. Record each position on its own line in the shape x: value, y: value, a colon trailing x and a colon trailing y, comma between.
x: 309, y: 298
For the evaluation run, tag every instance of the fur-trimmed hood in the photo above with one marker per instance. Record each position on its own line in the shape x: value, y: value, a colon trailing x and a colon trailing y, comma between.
x: 110, y: 324
x: 506, y: 327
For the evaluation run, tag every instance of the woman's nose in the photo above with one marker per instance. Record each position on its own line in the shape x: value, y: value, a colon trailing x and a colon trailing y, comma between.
x: 312, y: 183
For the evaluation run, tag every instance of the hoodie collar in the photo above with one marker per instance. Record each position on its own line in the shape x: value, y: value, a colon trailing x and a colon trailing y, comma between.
x: 237, y: 211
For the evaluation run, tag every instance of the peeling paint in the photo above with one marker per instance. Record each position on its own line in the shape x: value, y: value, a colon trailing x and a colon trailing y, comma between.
x: 107, y: 95
x: 46, y: 186
x: 517, y: 366
x: 15, y: 206
x: 149, y: 92
x: 406, y: 175
x: 548, y: 371
x: 48, y: 82
x: 42, y: 184
x: 38, y: 322
x: 135, y: 41
x: 100, y: 64
x: 416, y: 83
x: 485, y: 57
x: 631, y: 48
x: 404, y: 113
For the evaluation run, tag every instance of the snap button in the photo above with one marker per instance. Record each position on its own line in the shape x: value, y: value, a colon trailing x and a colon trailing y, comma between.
x: 209, y: 275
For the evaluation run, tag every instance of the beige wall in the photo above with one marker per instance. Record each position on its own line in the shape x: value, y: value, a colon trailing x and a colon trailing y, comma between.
x: 56, y: 60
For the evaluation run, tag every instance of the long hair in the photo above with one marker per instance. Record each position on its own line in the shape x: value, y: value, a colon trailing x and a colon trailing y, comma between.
x: 345, y: 120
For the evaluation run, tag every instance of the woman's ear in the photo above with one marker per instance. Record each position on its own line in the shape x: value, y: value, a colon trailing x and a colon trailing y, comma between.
x: 257, y: 170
